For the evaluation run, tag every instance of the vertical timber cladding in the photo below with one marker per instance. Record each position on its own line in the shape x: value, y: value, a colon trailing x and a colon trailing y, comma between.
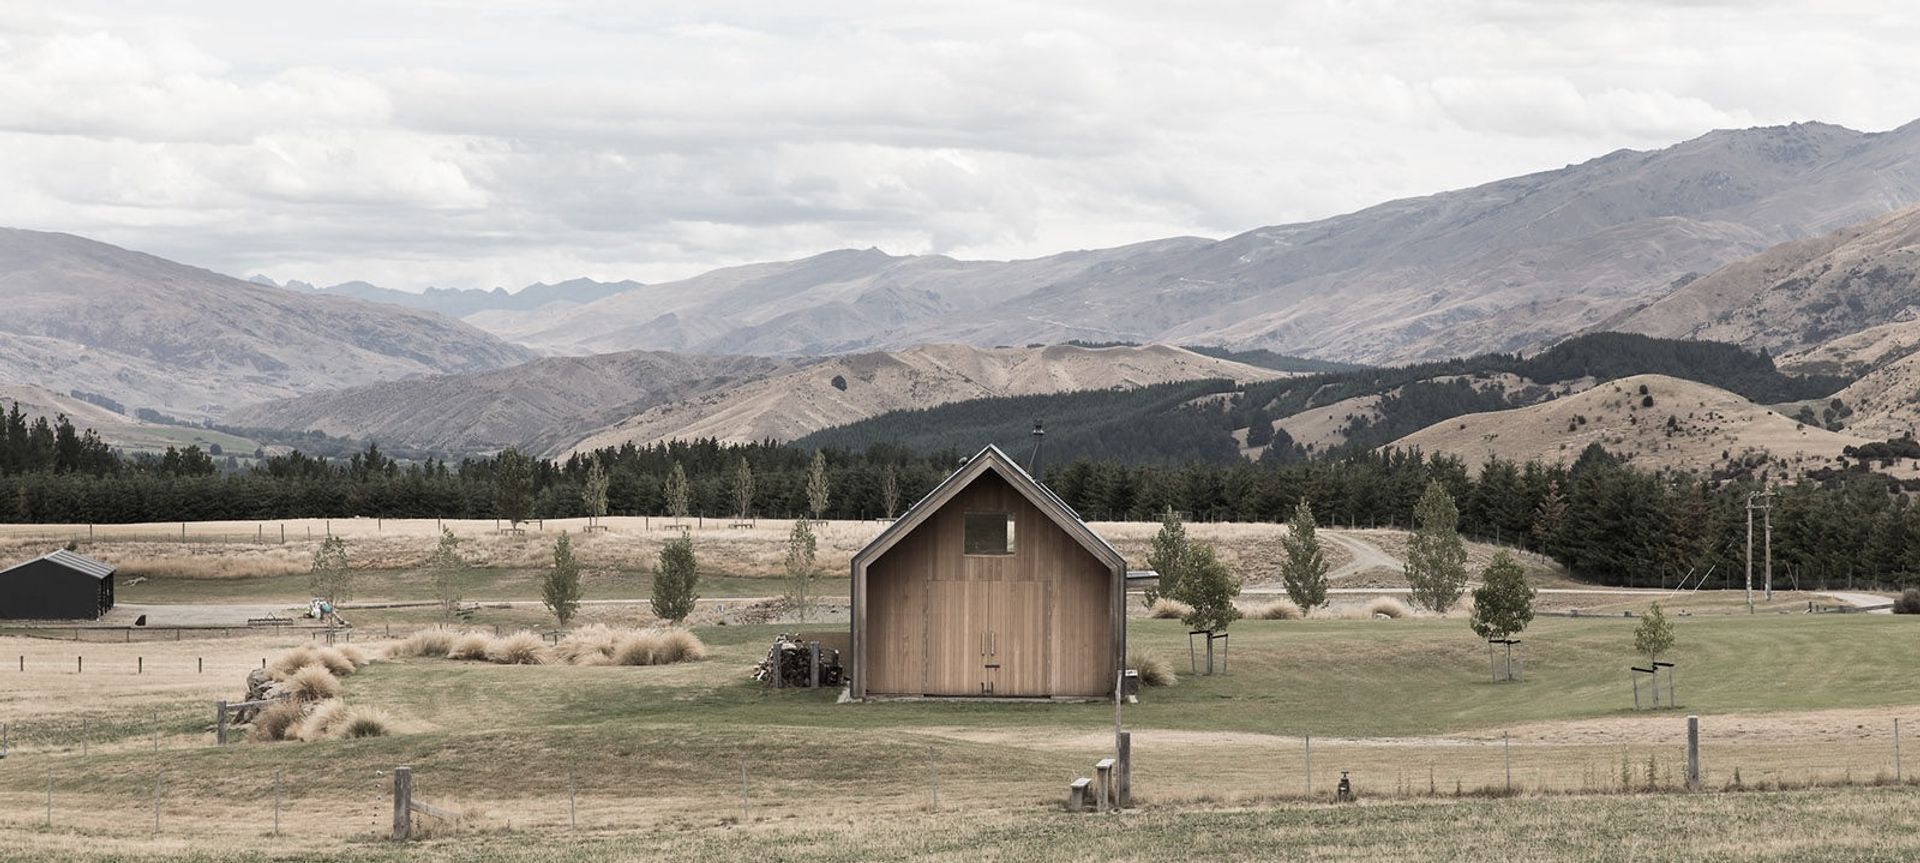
x: 1036, y: 622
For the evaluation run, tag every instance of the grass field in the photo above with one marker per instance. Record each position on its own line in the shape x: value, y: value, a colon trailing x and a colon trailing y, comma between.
x: 656, y: 753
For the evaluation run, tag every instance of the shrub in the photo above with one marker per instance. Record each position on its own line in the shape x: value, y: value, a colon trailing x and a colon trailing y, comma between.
x: 360, y: 722
x: 274, y: 721
x: 470, y: 645
x: 321, y: 718
x: 311, y: 683
x: 1279, y: 609
x: 1909, y: 602
x: 1168, y: 609
x: 520, y: 648
x: 427, y: 642
x: 1154, y: 669
x: 1390, y: 606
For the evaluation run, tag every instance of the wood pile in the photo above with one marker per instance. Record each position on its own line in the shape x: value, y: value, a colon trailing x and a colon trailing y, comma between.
x: 793, y: 660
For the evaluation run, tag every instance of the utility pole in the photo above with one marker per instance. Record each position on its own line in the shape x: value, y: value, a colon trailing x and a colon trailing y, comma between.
x: 1765, y: 505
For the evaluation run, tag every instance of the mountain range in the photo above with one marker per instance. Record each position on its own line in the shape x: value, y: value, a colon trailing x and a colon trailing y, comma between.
x: 461, y: 302
x: 1508, y: 265
x: 148, y: 332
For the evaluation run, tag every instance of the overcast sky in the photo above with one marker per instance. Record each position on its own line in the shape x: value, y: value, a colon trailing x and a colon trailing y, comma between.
x: 474, y: 144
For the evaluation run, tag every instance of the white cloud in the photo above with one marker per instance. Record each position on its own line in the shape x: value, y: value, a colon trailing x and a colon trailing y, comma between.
x: 509, y: 142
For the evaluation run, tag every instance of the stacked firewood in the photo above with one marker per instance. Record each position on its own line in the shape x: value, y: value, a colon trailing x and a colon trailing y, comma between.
x: 791, y: 658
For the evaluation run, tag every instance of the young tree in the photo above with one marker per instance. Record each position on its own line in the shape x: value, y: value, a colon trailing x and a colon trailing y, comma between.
x: 677, y: 493
x: 447, y: 566
x: 800, y: 567
x: 1208, y: 588
x: 1654, y: 635
x: 1167, y: 556
x: 890, y: 489
x: 331, y: 578
x: 743, y: 490
x: 560, y: 589
x: 513, y: 486
x: 1436, y: 558
x: 1502, y: 604
x: 1304, y: 573
x: 675, y: 580
x: 817, y: 490
x: 593, y: 493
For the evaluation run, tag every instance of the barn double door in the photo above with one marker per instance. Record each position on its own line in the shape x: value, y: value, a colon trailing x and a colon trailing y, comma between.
x: 988, y: 638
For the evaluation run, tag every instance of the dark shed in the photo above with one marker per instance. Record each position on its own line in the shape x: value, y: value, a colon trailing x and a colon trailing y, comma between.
x: 60, y: 585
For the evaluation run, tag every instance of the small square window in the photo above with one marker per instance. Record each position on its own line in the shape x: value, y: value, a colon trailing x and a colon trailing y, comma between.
x: 989, y: 533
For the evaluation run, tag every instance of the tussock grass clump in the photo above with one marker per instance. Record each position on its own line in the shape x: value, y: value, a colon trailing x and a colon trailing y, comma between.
x: 355, y: 654
x: 658, y: 647
x: 277, y: 721
x: 1391, y: 606
x: 283, y: 666
x: 1279, y: 609
x: 521, y: 648
x: 1168, y: 609
x: 427, y: 642
x: 358, y: 722
x: 321, y: 718
x: 311, y: 683
x: 1909, y: 601
x: 470, y: 645
x: 589, y: 645
x: 1154, y: 669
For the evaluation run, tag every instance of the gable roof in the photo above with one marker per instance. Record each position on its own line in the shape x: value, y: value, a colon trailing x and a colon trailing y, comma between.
x: 994, y: 459
x: 79, y: 563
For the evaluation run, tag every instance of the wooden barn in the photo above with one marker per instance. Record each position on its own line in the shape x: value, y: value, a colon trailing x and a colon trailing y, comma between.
x: 989, y: 586
x: 60, y: 585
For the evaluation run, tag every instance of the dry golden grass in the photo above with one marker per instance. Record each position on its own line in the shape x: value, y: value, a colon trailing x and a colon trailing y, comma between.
x: 321, y: 719
x: 658, y: 647
x: 520, y: 648
x: 426, y: 642
x: 470, y: 645
x: 1279, y: 609
x: 1154, y: 669
x: 360, y: 722
x: 1168, y: 609
x: 589, y: 645
x: 310, y: 683
x: 1388, y: 606
x: 355, y: 654
x: 275, y: 721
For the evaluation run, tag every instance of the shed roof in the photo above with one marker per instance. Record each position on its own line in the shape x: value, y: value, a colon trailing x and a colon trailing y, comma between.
x: 79, y: 563
x: 995, y: 459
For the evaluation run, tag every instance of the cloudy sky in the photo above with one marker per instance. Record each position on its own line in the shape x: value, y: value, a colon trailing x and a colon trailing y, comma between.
x: 475, y: 144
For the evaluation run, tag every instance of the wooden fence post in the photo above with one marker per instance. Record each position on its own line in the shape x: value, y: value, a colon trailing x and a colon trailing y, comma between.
x: 276, y: 802
x: 220, y: 723
x: 1693, y: 753
x: 813, y: 665
x: 1124, y: 777
x: 1103, y: 771
x: 402, y: 803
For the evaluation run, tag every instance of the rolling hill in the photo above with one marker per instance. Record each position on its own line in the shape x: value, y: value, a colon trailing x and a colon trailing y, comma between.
x: 846, y: 389
x: 1650, y: 421
x: 460, y: 302
x: 542, y: 406
x: 151, y: 333
x: 1498, y: 267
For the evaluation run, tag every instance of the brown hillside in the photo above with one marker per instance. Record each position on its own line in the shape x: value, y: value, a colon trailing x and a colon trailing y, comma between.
x: 1710, y: 429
